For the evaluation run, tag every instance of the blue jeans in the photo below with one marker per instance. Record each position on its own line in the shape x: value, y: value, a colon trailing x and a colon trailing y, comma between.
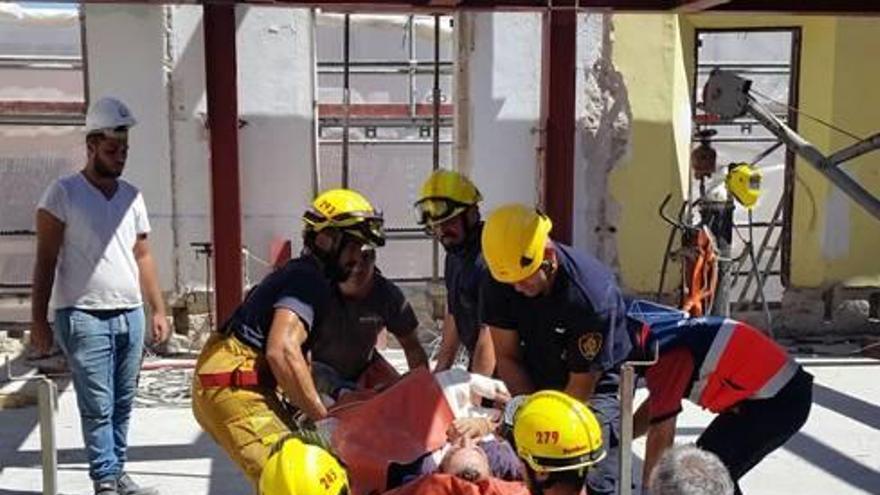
x: 104, y: 350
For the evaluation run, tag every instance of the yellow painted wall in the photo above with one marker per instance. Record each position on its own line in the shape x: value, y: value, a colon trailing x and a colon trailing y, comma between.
x: 833, y: 239
x: 648, y: 52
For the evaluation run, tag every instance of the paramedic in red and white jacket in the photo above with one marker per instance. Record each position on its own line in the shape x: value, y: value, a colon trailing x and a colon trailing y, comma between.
x: 761, y: 395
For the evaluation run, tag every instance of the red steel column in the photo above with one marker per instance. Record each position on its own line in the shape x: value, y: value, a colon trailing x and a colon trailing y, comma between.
x: 560, y: 50
x: 222, y: 90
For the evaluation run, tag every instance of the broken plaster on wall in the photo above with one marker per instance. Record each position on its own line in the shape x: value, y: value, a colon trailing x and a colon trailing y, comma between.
x: 604, y: 126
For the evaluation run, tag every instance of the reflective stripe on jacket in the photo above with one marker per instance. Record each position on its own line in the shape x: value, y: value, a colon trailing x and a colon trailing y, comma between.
x: 740, y: 363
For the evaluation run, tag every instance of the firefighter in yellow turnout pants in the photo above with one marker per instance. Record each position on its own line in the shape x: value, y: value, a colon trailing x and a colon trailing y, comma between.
x: 260, y: 352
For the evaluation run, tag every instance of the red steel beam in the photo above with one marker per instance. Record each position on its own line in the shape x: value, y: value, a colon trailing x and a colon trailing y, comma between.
x: 221, y: 84
x: 381, y: 110
x: 560, y: 51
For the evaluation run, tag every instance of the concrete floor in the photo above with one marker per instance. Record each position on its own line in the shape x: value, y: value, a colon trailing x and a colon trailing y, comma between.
x: 837, y: 452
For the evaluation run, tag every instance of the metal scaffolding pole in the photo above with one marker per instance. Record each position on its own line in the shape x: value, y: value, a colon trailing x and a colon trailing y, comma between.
x: 627, y: 409
x: 435, y: 248
x: 346, y: 96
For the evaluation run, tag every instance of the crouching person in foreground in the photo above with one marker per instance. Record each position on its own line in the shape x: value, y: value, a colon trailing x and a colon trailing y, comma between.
x: 259, y: 356
x: 761, y: 395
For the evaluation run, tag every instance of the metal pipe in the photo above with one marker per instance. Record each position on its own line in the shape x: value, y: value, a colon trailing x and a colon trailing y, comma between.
x: 860, y: 148
x: 413, y: 64
x: 36, y: 62
x: 815, y: 157
x: 428, y: 66
x: 384, y: 71
x: 748, y: 283
x: 47, y: 393
x: 768, y: 272
x: 627, y: 397
x: 84, y: 52
x: 316, y: 119
x: 435, y: 246
x: 346, y: 96
x: 338, y: 142
x: 41, y: 120
x: 333, y: 122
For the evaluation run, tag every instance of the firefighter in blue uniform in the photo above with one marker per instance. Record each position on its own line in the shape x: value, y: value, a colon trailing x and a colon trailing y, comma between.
x: 557, y: 320
x: 448, y: 208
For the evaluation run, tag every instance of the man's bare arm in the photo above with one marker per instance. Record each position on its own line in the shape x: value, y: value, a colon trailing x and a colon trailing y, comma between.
x: 413, y: 350
x: 149, y: 281
x: 581, y: 385
x: 509, y: 361
x: 289, y: 366
x: 449, y: 344
x: 483, y: 360
x: 50, y: 236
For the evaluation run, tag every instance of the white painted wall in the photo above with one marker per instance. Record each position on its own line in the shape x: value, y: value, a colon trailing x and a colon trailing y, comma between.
x: 505, y: 97
x: 126, y: 51
x: 276, y: 147
x: 128, y: 47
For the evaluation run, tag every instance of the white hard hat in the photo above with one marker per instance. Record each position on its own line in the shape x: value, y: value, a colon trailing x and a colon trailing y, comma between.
x: 108, y: 113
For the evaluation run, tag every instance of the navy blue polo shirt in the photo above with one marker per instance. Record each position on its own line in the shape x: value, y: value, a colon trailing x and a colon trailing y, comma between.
x: 580, y: 326
x: 464, y: 273
x: 345, y: 338
x: 300, y: 286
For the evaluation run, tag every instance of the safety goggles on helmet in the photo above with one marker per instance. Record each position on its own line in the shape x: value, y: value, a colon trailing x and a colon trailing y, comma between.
x: 365, y: 226
x: 433, y: 211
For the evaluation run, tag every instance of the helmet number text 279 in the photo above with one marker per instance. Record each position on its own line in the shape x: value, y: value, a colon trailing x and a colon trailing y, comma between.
x: 544, y: 437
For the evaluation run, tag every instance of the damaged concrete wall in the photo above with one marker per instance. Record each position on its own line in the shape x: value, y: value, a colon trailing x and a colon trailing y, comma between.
x: 602, y: 137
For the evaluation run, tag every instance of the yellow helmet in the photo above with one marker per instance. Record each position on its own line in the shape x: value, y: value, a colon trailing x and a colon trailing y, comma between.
x: 300, y: 469
x: 445, y: 194
x: 555, y: 432
x: 348, y: 211
x: 513, y: 242
x: 744, y: 183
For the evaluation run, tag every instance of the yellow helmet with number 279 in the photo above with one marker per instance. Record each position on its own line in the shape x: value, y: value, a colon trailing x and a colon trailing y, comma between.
x: 555, y: 432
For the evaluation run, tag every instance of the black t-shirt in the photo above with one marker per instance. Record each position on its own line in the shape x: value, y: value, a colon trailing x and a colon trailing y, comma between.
x: 299, y: 286
x: 580, y: 326
x: 465, y: 272
x: 345, y: 338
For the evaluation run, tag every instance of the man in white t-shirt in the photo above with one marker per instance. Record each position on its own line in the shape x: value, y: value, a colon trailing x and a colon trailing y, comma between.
x: 94, y: 260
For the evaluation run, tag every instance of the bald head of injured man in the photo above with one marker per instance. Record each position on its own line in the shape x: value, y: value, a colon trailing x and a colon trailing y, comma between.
x: 467, y: 462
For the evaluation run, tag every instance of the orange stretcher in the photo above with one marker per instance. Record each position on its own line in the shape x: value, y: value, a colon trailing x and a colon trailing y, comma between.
x: 397, y: 425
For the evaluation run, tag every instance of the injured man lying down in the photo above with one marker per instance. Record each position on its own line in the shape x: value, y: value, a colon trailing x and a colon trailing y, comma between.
x: 421, y: 424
